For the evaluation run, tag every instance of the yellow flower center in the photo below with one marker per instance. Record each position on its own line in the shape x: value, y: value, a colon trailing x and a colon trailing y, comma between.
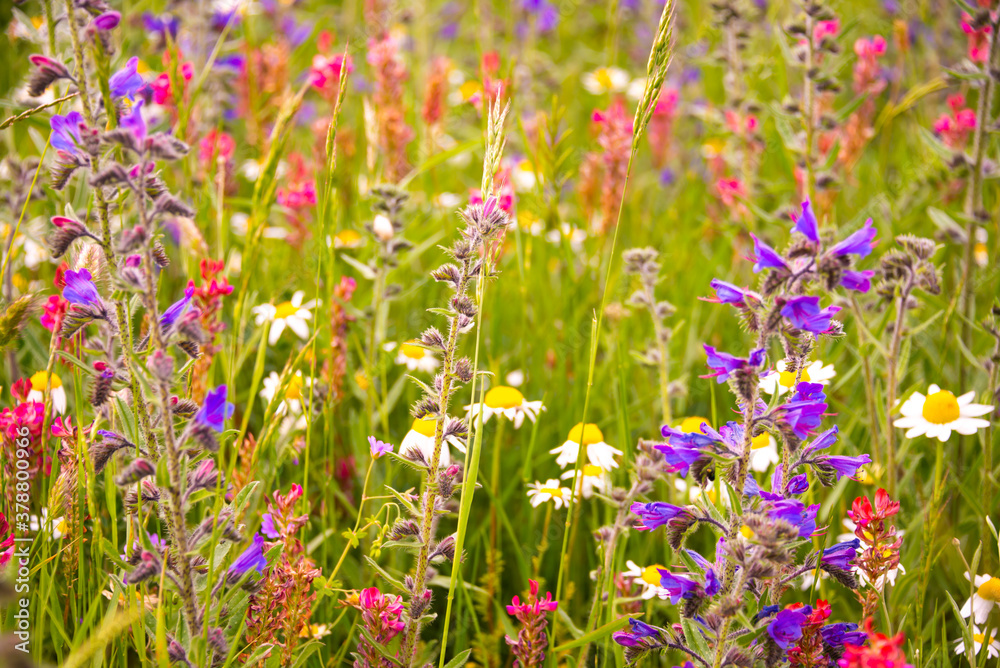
x: 349, y: 238
x: 941, y: 408
x: 425, y: 426
x: 294, y: 390
x: 282, y: 311
x: 787, y: 378
x: 591, y: 470
x: 591, y: 434
x: 554, y: 492
x: 412, y: 351
x: 468, y: 89
x: 603, y: 78
x: 691, y: 425
x: 746, y: 531
x: 502, y: 396
x: 38, y: 381
x: 761, y: 441
x: 651, y: 574
x: 362, y: 380
x: 990, y: 590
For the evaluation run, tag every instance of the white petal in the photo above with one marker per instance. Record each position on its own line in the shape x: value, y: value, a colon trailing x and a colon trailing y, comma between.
x: 299, y: 326
x: 277, y: 327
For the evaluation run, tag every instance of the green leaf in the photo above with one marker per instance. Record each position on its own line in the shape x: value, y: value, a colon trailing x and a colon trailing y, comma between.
x: 385, y: 574
x: 363, y: 269
x: 459, y: 659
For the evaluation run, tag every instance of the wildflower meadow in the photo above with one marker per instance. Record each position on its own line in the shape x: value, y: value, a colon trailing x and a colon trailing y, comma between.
x: 541, y: 333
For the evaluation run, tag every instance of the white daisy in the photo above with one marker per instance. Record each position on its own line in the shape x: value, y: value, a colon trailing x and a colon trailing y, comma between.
x: 292, y: 314
x: 53, y: 526
x: 986, y: 596
x: 598, y: 452
x: 421, y: 437
x: 57, y: 393
x: 940, y: 413
x: 508, y: 402
x: 523, y: 175
x: 763, y: 452
x: 606, y: 80
x: 315, y: 631
x: 515, y: 378
x: 782, y: 380
x: 648, y: 578
x: 347, y: 238
x: 978, y: 640
x: 550, y: 490
x: 592, y: 478
x: 292, y: 399
x: 414, y: 356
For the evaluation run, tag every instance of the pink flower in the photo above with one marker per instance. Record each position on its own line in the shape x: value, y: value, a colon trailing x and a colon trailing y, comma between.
x: 216, y: 144
x: 378, y: 448
x: 825, y: 29
x: 979, y: 40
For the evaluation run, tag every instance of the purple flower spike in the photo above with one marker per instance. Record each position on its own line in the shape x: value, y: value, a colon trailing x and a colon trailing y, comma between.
x: 806, y: 224
x: 126, y: 81
x: 804, y: 313
x: 216, y: 410
x: 786, y: 627
x: 765, y: 257
x: 251, y: 559
x: 841, y: 555
x: 860, y: 243
x: 859, y: 281
x: 80, y: 289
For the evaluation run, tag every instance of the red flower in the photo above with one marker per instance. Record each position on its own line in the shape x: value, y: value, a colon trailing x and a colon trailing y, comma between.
x: 881, y: 651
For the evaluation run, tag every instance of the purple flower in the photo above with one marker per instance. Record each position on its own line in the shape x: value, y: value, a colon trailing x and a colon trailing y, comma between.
x: 712, y: 584
x: 178, y: 308
x: 801, y: 417
x: 251, y: 559
x: 765, y: 612
x: 268, y: 528
x: 765, y: 257
x: 656, y: 514
x: 786, y: 627
x: 797, y: 485
x: 860, y: 243
x: 161, y: 26
x: 216, y: 410
x: 66, y: 131
x: 841, y: 555
x: 106, y: 21
x: 134, y: 123
x: 234, y: 62
x: 678, y: 586
x: 126, y: 81
x: 80, y: 289
x: 859, y: 281
x: 378, y: 448
x: 806, y: 224
x: 796, y: 513
x: 823, y: 441
x: 804, y: 313
x: 727, y: 293
x: 724, y: 364
x: 844, y: 633
x: 844, y: 466
x: 637, y: 631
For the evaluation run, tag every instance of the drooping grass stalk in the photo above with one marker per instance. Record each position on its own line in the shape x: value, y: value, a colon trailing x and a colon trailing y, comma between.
x: 973, y: 209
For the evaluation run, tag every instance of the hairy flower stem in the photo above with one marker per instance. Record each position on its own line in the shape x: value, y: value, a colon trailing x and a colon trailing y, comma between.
x: 892, y: 364
x: 974, y: 211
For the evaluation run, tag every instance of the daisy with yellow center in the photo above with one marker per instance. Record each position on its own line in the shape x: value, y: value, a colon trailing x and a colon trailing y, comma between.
x: 315, y: 631
x: 648, y: 578
x: 57, y: 393
x: 980, y: 637
x: 540, y: 492
x: 508, y: 402
x: 592, y: 478
x: 605, y: 80
x: 523, y: 175
x: 781, y: 380
x: 415, y: 356
x: 292, y: 397
x: 292, y: 314
x: 598, y: 452
x: 347, y: 239
x: 984, y: 599
x: 421, y: 437
x: 940, y: 413
x: 763, y: 452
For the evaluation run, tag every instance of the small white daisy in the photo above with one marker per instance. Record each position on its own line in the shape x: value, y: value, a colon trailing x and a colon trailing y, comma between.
x: 940, y: 413
x: 592, y: 478
x: 508, y: 402
x: 550, y: 490
x: 648, y: 578
x: 763, y: 452
x: 781, y: 380
x: 292, y: 314
x: 421, y: 437
x: 986, y: 596
x: 57, y: 393
x: 598, y: 452
x: 315, y: 631
x: 978, y: 640
x: 414, y: 356
x: 605, y: 80
x: 292, y: 399
x: 347, y: 238
x: 523, y: 175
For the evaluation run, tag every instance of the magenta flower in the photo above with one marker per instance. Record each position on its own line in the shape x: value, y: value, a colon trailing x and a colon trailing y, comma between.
x: 378, y: 448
